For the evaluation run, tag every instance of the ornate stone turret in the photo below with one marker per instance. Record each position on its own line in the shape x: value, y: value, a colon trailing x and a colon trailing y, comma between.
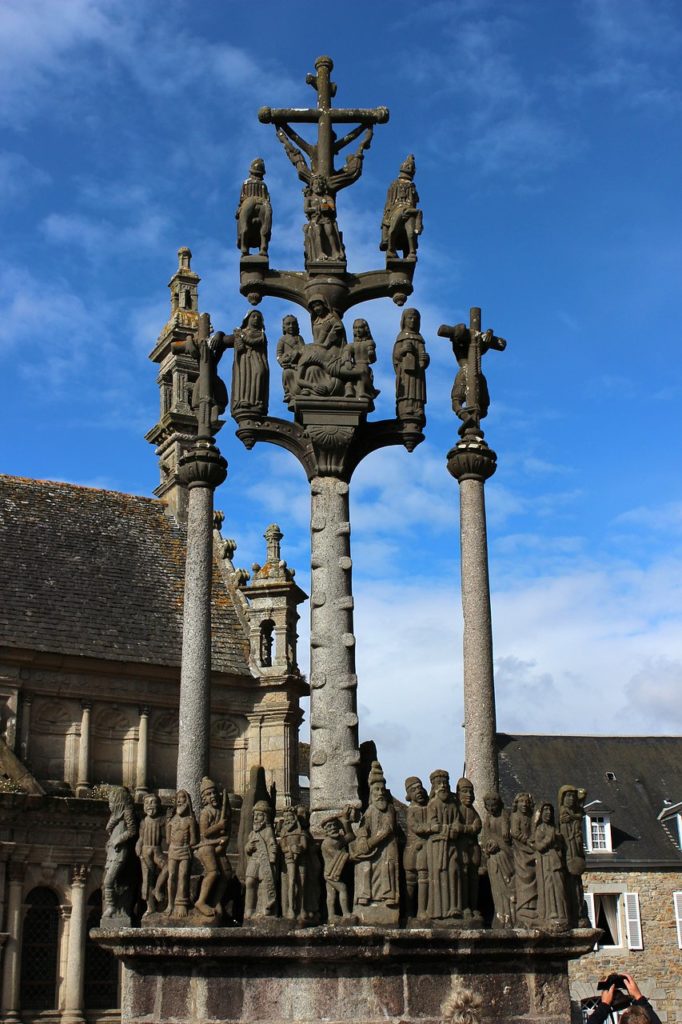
x: 177, y: 425
x: 273, y: 599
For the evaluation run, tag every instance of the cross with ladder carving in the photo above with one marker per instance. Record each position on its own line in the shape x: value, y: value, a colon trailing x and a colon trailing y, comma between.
x: 321, y: 154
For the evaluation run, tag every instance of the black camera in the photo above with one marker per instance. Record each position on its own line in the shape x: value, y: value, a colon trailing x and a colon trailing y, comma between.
x: 613, y: 979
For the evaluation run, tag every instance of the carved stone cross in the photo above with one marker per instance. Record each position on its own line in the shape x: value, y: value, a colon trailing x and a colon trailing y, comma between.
x: 470, y: 397
x: 321, y: 154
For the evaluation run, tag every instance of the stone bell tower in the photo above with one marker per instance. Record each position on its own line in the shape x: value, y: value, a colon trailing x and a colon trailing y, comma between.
x: 177, y: 425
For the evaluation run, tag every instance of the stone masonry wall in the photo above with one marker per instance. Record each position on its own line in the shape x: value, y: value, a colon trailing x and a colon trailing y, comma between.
x: 658, y: 967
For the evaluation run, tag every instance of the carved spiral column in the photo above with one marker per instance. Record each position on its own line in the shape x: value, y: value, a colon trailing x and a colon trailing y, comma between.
x: 11, y: 969
x: 472, y: 462
x: 334, y: 752
x: 142, y: 753
x: 73, y: 998
x: 202, y: 468
x: 83, y: 781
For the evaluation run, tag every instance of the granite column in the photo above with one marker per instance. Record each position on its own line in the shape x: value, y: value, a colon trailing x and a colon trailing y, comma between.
x: 11, y: 968
x: 75, y: 965
x: 203, y: 469
x: 83, y: 781
x: 334, y: 751
x: 142, y: 753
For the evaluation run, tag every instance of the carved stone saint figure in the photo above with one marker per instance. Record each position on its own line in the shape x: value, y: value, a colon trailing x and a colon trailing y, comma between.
x: 468, y: 850
x: 375, y: 852
x: 415, y: 860
x: 552, y: 902
x: 324, y: 366
x: 363, y: 352
x: 254, y: 213
x: 182, y: 834
x: 261, y: 865
x: 208, y: 397
x: 571, y: 829
x: 410, y: 360
x: 496, y: 845
x: 525, y: 880
x: 335, y: 857
x: 443, y: 816
x: 215, y: 823
x: 117, y: 894
x: 250, y: 372
x: 322, y: 239
x: 402, y: 222
x: 149, y: 848
x: 293, y: 842
x: 290, y: 347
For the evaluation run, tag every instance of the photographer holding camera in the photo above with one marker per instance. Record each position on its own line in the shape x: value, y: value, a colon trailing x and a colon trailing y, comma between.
x: 612, y: 998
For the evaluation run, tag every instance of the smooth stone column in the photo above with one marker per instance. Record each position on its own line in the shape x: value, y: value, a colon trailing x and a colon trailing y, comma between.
x: 142, y: 752
x: 195, y: 678
x: 73, y: 998
x: 334, y: 749
x: 11, y: 968
x: 202, y: 468
x: 83, y: 782
x: 471, y: 462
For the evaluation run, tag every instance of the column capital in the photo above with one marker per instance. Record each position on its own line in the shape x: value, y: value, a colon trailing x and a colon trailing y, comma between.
x: 65, y: 911
x: 203, y: 466
x: 86, y: 705
x: 143, y: 710
x: 79, y: 874
x: 472, y: 459
x: 16, y: 871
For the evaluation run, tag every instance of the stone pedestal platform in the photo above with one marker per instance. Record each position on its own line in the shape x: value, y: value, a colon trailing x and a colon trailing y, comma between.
x: 359, y: 974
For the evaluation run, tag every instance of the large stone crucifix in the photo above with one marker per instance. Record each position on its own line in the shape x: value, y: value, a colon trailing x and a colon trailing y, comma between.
x: 321, y: 154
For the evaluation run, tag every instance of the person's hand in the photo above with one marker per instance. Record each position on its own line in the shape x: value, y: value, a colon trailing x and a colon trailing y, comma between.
x: 608, y: 994
x: 632, y: 987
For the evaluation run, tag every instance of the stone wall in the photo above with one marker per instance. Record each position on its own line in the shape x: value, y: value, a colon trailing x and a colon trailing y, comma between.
x: 657, y: 967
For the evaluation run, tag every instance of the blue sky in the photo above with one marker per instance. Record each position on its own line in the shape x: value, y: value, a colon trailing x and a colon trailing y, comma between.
x: 547, y: 141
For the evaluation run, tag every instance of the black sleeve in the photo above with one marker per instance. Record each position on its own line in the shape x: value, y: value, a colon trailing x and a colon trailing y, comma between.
x: 599, y: 1014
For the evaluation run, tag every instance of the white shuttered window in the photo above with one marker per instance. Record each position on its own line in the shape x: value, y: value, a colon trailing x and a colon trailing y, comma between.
x: 677, y: 904
x: 633, y: 923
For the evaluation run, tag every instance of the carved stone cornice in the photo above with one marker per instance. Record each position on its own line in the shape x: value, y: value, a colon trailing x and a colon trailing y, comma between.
x: 472, y: 459
x: 330, y: 449
x: 342, y: 290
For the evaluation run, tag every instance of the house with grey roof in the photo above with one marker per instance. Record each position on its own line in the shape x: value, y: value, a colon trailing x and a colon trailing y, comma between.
x: 633, y: 843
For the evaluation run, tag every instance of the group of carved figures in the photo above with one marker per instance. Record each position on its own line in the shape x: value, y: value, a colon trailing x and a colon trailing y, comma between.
x: 401, y: 223
x: 369, y: 869
x: 329, y: 366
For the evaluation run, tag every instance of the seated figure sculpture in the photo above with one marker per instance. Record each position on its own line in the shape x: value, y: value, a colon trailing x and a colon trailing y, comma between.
x: 363, y: 352
x: 402, y: 222
x: 254, y: 212
x: 290, y: 347
x: 261, y: 868
x: 325, y: 366
x: 375, y: 853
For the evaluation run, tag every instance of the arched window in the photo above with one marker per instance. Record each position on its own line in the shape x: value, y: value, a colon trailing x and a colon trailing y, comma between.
x: 38, y: 989
x: 100, y: 988
x: 267, y: 627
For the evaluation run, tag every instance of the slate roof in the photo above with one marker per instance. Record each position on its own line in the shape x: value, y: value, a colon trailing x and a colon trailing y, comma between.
x: 647, y: 770
x: 100, y: 574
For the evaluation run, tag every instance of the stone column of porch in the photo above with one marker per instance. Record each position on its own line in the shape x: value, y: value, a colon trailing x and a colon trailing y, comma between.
x: 75, y: 965
x: 83, y: 783
x: 25, y: 733
x: 142, y: 753
x: 11, y: 968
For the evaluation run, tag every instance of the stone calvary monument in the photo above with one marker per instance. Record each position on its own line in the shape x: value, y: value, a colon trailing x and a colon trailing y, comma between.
x: 351, y: 908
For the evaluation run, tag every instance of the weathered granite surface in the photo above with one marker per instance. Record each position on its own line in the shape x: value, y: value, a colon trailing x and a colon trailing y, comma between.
x: 359, y: 974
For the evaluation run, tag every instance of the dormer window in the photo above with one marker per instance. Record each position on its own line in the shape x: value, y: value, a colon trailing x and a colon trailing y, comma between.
x: 598, y: 828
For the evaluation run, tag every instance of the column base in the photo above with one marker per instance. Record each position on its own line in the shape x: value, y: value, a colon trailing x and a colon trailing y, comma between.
x: 10, y: 1017
x: 72, y: 1017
